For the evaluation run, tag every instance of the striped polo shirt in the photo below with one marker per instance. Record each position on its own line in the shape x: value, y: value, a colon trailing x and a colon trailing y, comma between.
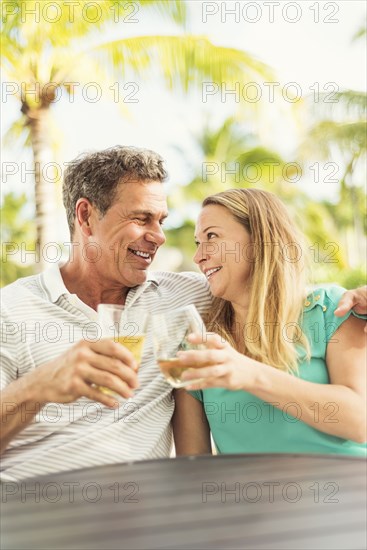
x: 40, y: 321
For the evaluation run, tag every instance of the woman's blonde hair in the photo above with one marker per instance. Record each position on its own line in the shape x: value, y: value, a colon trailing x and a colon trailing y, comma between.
x: 277, y: 280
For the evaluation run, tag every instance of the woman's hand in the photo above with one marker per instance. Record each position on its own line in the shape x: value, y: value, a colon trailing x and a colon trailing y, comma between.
x: 218, y: 366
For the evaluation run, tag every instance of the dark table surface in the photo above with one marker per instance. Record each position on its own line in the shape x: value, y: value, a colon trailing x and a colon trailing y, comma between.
x: 229, y: 501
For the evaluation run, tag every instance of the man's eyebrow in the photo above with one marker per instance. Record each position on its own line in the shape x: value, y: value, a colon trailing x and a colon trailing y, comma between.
x: 147, y: 213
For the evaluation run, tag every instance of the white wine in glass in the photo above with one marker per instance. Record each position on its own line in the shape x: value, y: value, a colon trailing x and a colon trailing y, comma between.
x: 170, y: 331
x: 126, y: 325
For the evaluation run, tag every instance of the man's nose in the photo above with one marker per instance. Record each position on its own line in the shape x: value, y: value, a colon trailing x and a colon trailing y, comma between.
x: 156, y: 236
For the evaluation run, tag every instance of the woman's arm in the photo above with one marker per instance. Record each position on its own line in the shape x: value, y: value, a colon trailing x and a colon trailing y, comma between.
x: 338, y: 408
x: 190, y: 426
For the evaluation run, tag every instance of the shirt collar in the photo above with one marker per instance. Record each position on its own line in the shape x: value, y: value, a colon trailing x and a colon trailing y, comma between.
x: 54, y: 283
x: 152, y: 277
x: 55, y: 287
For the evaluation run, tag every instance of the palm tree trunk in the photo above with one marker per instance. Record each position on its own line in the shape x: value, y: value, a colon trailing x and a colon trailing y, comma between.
x: 38, y: 121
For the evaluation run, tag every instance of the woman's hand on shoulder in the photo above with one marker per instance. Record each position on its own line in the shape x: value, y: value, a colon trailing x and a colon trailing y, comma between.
x: 219, y: 365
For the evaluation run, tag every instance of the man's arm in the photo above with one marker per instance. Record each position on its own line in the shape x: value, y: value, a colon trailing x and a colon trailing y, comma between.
x: 76, y: 373
x: 18, y: 408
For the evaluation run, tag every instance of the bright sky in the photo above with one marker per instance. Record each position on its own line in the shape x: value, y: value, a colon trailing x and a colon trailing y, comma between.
x: 315, y: 50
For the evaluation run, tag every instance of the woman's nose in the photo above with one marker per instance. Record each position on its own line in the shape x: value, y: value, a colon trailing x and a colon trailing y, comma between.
x: 200, y: 254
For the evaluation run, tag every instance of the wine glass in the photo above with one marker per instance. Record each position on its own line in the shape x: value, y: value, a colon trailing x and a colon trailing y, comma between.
x: 126, y: 325
x: 170, y: 331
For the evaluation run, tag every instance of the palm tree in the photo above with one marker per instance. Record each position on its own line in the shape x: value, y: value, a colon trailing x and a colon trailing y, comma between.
x: 347, y: 137
x: 345, y: 132
x: 52, y: 55
x: 231, y: 157
x: 222, y: 161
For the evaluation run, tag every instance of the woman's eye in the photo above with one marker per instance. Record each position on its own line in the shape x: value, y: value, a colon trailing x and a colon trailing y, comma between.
x: 211, y: 235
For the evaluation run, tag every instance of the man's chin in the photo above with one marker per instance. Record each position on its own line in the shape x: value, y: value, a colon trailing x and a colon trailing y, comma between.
x: 135, y: 277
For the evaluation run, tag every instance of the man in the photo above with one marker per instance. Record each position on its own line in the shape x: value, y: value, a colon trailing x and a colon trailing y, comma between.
x: 53, y: 415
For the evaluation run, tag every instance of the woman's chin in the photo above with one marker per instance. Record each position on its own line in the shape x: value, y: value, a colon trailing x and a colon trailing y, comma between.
x: 218, y: 293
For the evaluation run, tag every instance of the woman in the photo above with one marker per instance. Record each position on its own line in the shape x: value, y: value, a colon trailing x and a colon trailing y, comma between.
x: 283, y: 373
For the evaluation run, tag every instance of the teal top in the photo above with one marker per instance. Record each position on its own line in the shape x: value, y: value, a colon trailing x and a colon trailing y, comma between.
x: 243, y: 423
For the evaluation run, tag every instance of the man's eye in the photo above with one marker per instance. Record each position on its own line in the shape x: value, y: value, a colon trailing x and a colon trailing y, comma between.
x: 140, y: 220
x: 161, y: 222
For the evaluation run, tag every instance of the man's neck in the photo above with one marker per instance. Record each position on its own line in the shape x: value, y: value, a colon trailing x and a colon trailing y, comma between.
x: 81, y: 279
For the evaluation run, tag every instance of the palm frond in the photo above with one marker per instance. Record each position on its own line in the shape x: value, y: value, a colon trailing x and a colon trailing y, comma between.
x: 360, y: 33
x: 353, y: 101
x: 34, y: 24
x: 17, y: 135
x: 260, y: 155
x: 174, y: 9
x: 226, y: 142
x: 339, y: 105
x: 183, y: 60
x: 347, y: 137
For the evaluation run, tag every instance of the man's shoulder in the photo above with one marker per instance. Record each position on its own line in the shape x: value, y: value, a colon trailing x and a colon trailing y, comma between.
x: 183, y: 278
x: 180, y: 289
x: 21, y: 289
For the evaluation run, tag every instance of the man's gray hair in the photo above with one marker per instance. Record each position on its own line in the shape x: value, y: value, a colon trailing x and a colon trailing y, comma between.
x: 96, y: 176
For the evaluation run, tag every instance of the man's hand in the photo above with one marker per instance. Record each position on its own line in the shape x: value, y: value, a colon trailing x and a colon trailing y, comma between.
x: 353, y: 299
x: 76, y: 373
x: 70, y: 376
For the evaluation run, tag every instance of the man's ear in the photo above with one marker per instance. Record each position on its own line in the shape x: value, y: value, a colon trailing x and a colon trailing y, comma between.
x: 83, y: 212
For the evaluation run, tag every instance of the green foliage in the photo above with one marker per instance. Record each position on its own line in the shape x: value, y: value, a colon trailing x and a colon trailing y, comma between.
x: 330, y: 273
x: 183, y: 239
x: 353, y: 278
x: 16, y: 231
x: 61, y: 51
x: 230, y: 160
x: 344, y: 211
x: 70, y: 50
x: 11, y: 271
x: 361, y: 33
x: 346, y: 134
x: 350, y: 136
x: 323, y: 223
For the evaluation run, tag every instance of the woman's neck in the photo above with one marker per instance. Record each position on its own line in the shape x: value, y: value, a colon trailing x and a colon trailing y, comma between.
x: 239, y: 326
x: 240, y: 314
